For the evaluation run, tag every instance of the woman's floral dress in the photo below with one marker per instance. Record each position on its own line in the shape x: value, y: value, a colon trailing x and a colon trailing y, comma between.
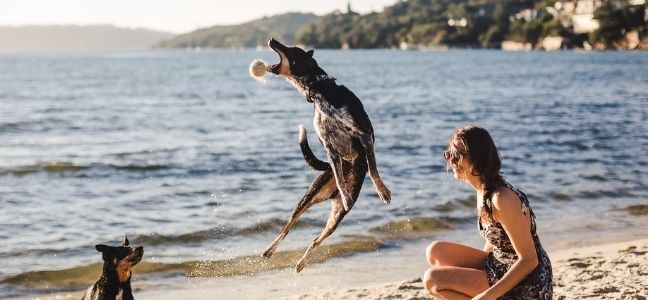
x: 538, y: 284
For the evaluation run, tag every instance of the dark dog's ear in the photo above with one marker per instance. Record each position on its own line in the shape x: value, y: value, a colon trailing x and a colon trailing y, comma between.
x: 125, y: 241
x: 310, y: 53
x: 106, y: 252
x: 102, y: 248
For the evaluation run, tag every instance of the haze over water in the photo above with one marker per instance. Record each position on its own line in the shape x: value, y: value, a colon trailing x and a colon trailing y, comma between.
x: 199, y: 163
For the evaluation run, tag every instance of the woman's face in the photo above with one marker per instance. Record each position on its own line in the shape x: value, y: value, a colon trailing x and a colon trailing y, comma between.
x: 457, y: 157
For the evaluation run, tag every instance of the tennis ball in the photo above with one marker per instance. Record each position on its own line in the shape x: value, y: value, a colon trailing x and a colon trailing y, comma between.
x: 258, y: 68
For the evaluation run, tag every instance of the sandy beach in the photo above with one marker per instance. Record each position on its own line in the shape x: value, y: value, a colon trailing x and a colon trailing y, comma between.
x: 609, y: 271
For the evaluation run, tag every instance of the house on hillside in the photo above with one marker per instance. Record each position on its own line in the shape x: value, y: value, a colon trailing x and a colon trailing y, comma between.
x: 578, y: 14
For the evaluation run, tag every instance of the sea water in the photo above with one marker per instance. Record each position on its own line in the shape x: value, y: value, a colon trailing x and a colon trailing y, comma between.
x: 188, y: 156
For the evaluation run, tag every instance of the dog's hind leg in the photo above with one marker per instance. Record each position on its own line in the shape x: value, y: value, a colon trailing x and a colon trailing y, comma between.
x: 338, y: 172
x: 383, y: 192
x: 355, y: 180
x: 322, y: 188
x: 337, y: 214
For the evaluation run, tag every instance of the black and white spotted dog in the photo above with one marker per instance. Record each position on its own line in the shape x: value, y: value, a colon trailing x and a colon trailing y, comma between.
x: 114, y: 283
x: 344, y: 130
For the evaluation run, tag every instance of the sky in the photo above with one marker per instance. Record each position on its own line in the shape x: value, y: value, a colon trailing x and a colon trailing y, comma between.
x: 175, y: 16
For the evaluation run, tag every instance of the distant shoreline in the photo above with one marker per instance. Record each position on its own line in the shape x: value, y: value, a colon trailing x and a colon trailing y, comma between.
x: 207, y: 50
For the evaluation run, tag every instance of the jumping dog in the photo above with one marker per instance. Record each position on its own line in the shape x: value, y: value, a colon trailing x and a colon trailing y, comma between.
x: 344, y: 130
x: 114, y: 283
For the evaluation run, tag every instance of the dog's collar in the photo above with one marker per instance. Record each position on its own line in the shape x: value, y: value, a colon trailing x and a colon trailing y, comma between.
x: 311, y: 82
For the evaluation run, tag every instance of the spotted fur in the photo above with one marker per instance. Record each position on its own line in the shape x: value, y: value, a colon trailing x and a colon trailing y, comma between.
x: 344, y: 130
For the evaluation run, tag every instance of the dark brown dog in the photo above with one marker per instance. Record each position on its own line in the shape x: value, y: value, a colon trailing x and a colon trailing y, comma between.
x: 114, y: 283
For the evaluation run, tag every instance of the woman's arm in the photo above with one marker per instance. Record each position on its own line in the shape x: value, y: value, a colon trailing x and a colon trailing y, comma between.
x: 508, y: 211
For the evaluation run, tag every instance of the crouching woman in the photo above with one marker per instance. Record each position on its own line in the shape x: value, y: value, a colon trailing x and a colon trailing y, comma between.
x: 512, y: 264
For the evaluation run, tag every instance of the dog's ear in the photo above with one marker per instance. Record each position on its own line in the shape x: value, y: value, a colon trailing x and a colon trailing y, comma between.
x: 125, y: 244
x: 106, y: 252
x: 310, y: 53
x: 102, y: 248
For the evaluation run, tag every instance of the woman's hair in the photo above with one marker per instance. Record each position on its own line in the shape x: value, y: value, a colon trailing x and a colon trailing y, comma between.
x: 485, y: 159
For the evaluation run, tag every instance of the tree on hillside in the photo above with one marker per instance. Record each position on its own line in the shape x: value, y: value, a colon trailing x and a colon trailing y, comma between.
x: 498, y: 28
x: 532, y: 30
x: 615, y: 20
x: 327, y: 32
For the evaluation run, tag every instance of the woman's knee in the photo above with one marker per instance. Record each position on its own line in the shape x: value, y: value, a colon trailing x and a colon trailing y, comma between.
x: 427, y: 280
x: 435, y: 252
x: 430, y: 281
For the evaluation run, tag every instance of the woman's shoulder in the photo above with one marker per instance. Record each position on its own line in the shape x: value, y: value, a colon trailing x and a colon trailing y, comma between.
x: 505, y: 198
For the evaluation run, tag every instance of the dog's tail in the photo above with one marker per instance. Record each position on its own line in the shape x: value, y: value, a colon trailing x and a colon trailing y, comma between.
x: 310, y: 158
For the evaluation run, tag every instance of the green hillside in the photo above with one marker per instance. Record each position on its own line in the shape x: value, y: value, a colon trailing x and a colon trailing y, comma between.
x: 475, y: 24
x: 418, y: 22
x: 251, y: 34
x: 441, y: 23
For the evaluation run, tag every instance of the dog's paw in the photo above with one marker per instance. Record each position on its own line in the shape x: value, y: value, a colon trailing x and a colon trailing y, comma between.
x: 384, y: 193
x: 268, y: 253
x: 300, y: 266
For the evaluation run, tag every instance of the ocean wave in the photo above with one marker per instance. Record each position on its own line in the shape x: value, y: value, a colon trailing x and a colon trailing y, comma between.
x: 41, y: 125
x: 637, y: 210
x: 35, y: 252
x: 83, y: 276
x: 455, y: 204
x: 446, y: 207
x: 66, y: 278
x: 596, y: 194
x: 559, y: 196
x: 70, y: 167
x: 412, y: 227
x: 468, y: 201
x: 49, y: 167
x: 269, y: 226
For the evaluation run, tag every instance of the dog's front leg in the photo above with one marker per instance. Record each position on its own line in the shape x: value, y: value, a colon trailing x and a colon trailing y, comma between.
x: 383, y: 192
x: 338, y: 172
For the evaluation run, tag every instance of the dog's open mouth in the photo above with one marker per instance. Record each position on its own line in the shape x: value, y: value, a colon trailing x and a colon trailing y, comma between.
x: 280, y: 49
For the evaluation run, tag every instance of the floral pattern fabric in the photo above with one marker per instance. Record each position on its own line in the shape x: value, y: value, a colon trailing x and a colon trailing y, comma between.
x: 538, y: 284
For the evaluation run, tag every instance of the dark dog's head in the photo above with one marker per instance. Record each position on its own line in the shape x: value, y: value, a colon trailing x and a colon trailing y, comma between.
x: 293, y: 61
x: 121, y: 258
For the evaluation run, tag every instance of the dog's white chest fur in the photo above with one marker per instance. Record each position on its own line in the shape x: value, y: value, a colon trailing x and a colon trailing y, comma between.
x: 336, y: 128
x: 93, y: 292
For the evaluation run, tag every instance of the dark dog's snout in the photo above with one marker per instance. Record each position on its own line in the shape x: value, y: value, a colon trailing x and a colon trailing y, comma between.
x: 139, y: 251
x: 136, y: 255
x: 277, y: 46
x: 281, y: 50
x: 272, y: 43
